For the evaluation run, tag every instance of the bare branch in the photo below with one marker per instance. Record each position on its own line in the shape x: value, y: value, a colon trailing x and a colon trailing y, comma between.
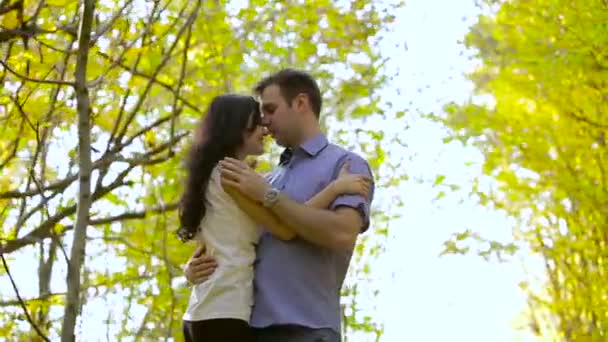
x: 163, y: 62
x: 102, y: 162
x: 180, y: 82
x: 25, y: 117
x: 140, y: 133
x: 85, y: 288
x: 166, y: 145
x: 153, y: 79
x: 13, y: 245
x: 28, y: 79
x: 23, y: 217
x: 67, y: 52
x: 587, y: 120
x: 135, y: 214
x: 133, y: 69
x: 27, y: 314
x: 25, y: 32
x: 118, y: 120
x: 61, y: 184
x: 44, y: 230
x: 11, y: 7
x: 39, y: 146
x: 42, y: 298
x: 14, y: 147
x: 102, y: 29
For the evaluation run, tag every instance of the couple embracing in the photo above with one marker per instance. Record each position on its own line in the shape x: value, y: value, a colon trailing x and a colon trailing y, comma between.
x: 273, y: 250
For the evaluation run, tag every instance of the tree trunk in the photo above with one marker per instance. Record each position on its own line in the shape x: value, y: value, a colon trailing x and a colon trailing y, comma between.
x: 77, y: 254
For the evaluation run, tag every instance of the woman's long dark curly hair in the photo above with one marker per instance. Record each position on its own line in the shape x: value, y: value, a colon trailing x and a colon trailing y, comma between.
x: 219, y: 134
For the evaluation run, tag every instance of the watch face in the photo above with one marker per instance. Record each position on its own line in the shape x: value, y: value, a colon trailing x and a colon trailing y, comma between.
x: 271, y: 196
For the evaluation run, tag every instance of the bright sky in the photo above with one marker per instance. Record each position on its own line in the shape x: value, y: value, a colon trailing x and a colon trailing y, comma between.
x: 423, y: 297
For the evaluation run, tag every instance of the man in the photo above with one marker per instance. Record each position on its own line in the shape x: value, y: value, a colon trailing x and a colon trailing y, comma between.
x: 297, y: 283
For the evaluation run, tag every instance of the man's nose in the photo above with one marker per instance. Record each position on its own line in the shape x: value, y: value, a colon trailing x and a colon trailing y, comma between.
x: 265, y: 121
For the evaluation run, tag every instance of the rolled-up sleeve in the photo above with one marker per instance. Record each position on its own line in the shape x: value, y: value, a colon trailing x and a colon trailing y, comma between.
x: 360, y: 166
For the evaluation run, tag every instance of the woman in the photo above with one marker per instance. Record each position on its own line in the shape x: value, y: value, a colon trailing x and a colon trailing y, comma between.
x: 219, y: 308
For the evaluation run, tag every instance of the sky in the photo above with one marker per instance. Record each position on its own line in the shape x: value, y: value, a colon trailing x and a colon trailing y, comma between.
x: 425, y: 297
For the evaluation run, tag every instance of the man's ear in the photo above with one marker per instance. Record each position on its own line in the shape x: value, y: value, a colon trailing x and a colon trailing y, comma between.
x: 301, y: 102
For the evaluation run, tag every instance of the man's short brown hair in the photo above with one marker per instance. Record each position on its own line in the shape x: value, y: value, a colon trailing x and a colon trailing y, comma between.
x: 293, y: 82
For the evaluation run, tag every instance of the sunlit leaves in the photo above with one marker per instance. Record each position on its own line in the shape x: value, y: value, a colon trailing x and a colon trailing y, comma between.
x: 153, y: 69
x: 543, y: 137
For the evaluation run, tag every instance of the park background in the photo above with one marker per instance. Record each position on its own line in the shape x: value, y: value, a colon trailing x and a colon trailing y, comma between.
x: 484, y: 122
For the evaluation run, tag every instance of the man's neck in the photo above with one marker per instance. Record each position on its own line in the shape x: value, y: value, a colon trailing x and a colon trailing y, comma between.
x: 309, y: 133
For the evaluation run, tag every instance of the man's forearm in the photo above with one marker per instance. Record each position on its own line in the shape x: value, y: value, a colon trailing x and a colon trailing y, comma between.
x: 321, y: 227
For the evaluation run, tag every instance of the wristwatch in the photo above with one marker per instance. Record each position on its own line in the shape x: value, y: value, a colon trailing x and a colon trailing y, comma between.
x: 271, y: 197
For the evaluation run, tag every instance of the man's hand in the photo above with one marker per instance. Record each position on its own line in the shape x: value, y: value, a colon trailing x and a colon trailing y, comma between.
x: 238, y: 174
x: 199, y: 267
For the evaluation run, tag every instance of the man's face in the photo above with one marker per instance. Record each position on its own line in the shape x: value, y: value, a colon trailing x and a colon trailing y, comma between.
x: 278, y: 116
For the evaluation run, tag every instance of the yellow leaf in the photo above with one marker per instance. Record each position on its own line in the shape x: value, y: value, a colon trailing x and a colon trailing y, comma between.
x: 150, y: 138
x: 57, y: 3
x: 10, y: 20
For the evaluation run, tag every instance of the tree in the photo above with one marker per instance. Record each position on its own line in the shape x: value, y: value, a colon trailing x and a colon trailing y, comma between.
x: 83, y: 107
x: 151, y: 68
x: 543, y: 136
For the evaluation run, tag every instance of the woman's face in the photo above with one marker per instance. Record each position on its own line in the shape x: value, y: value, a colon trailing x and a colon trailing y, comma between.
x: 253, y: 140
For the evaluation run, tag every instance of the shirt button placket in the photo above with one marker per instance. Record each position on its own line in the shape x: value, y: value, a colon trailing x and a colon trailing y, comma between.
x: 286, y: 175
x: 282, y: 186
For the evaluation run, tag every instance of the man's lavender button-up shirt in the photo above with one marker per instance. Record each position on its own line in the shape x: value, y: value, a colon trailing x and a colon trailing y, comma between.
x: 297, y: 282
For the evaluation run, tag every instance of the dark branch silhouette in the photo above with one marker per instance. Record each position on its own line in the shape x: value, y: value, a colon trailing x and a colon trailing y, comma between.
x: 21, y: 303
x: 29, y: 79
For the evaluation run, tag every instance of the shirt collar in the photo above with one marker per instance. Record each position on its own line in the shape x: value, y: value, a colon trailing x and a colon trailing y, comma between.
x: 314, y: 145
x: 311, y: 146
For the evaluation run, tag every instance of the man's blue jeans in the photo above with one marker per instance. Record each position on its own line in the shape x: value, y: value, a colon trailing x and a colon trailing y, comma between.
x: 290, y: 333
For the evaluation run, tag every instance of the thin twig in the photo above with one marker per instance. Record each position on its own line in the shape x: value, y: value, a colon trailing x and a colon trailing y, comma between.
x: 43, y: 231
x: 83, y: 289
x: 162, y: 64
x: 180, y: 82
x: 103, y: 28
x: 23, y: 306
x: 152, y: 78
x: 29, y: 79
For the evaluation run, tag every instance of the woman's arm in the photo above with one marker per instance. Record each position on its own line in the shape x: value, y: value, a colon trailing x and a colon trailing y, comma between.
x: 260, y: 214
x: 323, y: 199
x: 344, y: 184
